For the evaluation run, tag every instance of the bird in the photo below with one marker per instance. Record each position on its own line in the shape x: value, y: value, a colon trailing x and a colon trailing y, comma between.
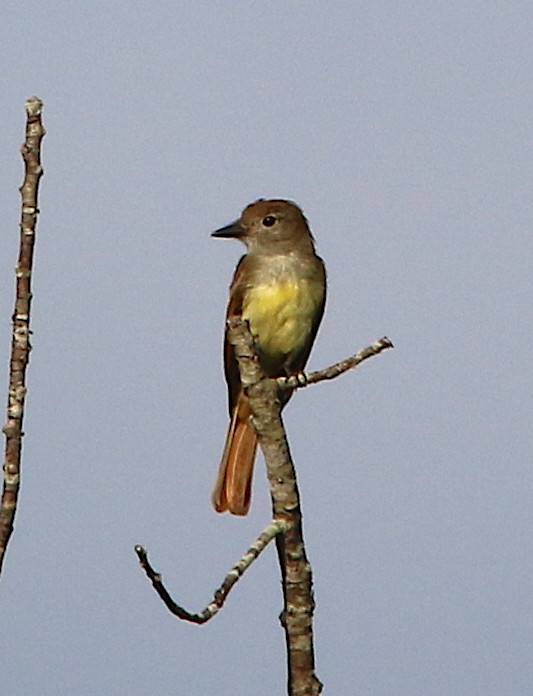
x: 279, y: 288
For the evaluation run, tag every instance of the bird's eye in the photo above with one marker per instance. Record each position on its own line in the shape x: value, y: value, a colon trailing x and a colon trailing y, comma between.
x: 269, y: 220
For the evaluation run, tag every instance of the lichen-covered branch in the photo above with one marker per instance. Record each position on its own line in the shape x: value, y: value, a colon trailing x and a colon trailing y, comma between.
x: 20, y: 342
x: 297, y: 615
x: 286, y: 527
x: 221, y: 594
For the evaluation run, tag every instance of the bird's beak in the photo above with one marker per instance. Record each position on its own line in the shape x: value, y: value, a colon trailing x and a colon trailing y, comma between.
x: 232, y: 231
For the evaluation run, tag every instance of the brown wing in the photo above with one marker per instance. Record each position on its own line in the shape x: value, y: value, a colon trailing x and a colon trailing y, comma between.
x: 231, y: 369
x: 233, y: 487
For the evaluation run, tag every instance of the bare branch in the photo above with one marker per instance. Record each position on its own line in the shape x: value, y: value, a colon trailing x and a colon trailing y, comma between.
x: 231, y: 578
x: 20, y: 342
x: 297, y: 615
x: 303, y: 380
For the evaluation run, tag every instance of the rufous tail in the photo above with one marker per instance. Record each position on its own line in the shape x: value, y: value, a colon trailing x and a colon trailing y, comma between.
x: 233, y: 487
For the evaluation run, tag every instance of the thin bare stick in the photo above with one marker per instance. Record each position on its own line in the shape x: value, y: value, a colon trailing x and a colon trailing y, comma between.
x: 20, y: 342
x: 303, y: 379
x: 231, y: 578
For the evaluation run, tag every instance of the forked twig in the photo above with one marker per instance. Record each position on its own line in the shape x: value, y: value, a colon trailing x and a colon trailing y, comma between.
x: 297, y: 615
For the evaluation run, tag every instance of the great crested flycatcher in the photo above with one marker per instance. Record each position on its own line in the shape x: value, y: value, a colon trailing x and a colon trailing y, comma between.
x: 279, y: 287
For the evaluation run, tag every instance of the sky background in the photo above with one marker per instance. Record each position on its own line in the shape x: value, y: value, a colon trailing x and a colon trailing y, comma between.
x: 404, y: 130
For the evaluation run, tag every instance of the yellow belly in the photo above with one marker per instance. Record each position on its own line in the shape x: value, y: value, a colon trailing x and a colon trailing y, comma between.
x: 281, y: 317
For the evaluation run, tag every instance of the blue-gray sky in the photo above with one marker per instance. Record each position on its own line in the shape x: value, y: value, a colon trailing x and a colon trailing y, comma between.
x: 404, y: 132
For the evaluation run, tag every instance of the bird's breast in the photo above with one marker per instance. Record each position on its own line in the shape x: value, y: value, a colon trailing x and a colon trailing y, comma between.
x: 281, y: 314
